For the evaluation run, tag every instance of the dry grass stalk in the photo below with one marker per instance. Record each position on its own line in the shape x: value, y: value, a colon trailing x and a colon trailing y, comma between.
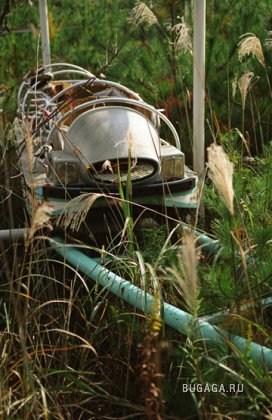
x: 250, y: 44
x: 242, y: 137
x: 29, y: 145
x: 268, y: 416
x: 141, y: 13
x: 221, y: 173
x: 150, y: 364
x: 189, y: 284
x: 243, y: 84
x: 188, y: 266
x: 234, y: 87
x: 76, y: 210
x: 132, y: 147
x: 41, y: 219
x: 129, y: 140
x: 182, y: 37
x: 188, y: 98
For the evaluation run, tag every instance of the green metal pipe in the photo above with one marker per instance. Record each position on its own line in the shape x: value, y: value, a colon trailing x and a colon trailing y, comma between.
x: 209, y: 245
x: 174, y: 317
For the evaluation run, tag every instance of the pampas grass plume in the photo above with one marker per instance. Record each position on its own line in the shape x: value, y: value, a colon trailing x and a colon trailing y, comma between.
x: 243, y: 85
x: 141, y: 13
x: 189, y: 284
x: 250, y: 44
x: 41, y: 219
x: 220, y: 170
x: 182, y: 37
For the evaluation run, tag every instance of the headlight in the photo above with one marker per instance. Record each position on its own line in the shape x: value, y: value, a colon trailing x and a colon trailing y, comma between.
x: 173, y: 168
x: 66, y: 173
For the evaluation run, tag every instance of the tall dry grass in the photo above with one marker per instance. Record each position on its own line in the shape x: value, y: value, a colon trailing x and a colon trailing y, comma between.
x: 220, y: 170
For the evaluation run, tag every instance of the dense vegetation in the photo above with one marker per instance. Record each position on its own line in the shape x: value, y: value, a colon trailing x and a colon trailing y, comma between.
x: 68, y: 348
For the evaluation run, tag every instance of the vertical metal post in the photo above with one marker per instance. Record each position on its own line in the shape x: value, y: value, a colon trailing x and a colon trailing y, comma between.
x: 45, y: 32
x: 186, y: 11
x: 199, y: 86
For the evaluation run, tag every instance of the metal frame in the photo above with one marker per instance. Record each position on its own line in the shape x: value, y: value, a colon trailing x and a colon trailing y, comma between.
x: 31, y: 90
x: 122, y: 101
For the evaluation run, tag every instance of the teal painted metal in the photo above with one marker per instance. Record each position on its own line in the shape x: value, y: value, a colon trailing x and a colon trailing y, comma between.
x: 174, y: 317
x: 186, y: 200
x: 209, y: 245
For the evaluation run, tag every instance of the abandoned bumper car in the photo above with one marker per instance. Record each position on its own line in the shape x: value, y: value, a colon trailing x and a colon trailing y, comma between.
x: 90, y: 135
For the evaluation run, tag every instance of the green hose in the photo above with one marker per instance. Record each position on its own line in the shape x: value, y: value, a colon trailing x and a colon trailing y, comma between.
x: 174, y: 317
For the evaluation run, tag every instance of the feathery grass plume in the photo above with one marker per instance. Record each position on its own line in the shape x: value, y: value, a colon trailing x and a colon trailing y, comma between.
x: 186, y: 272
x: 268, y: 41
x: 243, y: 85
x: 189, y: 284
x: 220, y: 170
x: 250, y: 44
x: 132, y: 147
x: 41, y: 219
x: 268, y: 416
x: 76, y: 210
x: 141, y: 13
x: 182, y: 37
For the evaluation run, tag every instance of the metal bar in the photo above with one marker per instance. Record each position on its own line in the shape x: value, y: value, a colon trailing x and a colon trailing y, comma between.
x: 45, y: 32
x: 18, y: 30
x: 199, y: 87
x: 13, y: 234
x: 95, y: 82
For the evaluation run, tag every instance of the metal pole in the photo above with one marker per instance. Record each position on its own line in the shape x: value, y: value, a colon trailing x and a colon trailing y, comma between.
x: 199, y: 86
x: 13, y: 234
x: 45, y: 32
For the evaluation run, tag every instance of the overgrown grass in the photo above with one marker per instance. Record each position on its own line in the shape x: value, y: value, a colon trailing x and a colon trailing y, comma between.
x: 69, y: 349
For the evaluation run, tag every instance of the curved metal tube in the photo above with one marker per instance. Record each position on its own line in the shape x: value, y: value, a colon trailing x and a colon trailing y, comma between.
x: 95, y: 82
x: 174, y: 317
x: 70, y: 68
x: 124, y: 101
